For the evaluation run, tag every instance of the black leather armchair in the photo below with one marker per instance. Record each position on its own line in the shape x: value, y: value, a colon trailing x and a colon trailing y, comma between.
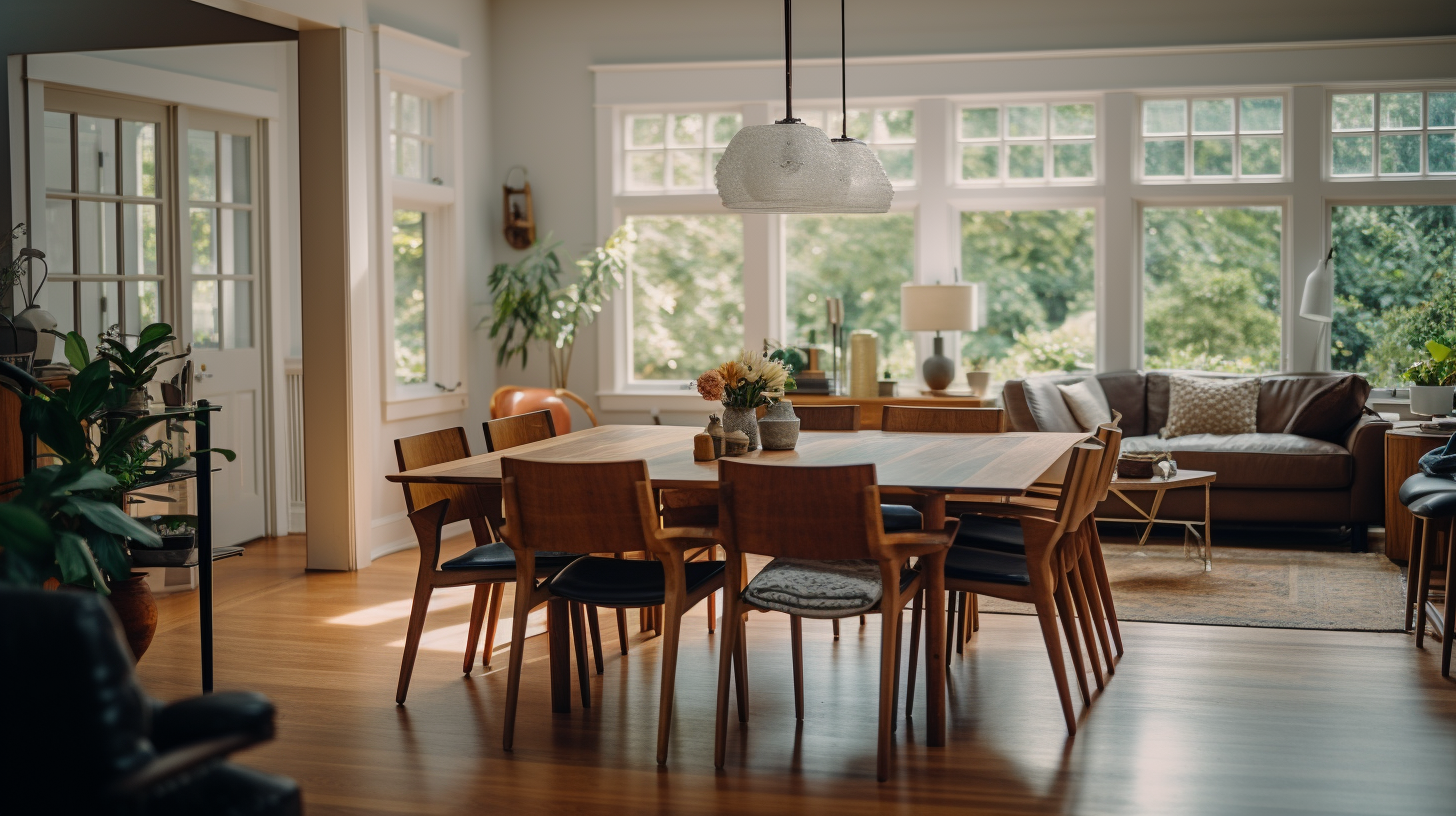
x: 78, y: 734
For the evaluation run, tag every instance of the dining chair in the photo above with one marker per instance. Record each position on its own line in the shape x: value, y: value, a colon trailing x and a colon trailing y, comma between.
x: 1413, y: 489
x: 511, y: 400
x: 599, y: 507
x: 828, y: 417
x: 831, y: 559
x: 1436, y: 514
x: 1039, y: 575
x: 962, y: 609
x: 487, y: 566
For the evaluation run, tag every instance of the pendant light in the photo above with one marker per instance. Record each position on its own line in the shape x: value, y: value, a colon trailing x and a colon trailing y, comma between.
x: 786, y: 167
x: 864, y: 187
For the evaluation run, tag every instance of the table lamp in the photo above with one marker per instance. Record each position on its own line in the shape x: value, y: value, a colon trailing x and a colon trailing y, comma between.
x: 938, y: 307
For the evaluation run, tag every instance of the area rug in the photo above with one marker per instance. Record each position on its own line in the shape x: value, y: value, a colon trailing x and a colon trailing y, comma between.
x: 1282, y: 589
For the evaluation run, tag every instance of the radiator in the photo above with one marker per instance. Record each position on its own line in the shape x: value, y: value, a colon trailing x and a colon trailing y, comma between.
x: 293, y: 384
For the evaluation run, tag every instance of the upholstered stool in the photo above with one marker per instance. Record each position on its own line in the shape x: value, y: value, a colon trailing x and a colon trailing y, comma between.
x: 1414, y: 489
x: 1436, y: 511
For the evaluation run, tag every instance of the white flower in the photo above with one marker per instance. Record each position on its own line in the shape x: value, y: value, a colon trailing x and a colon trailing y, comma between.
x: 774, y: 375
x: 753, y: 362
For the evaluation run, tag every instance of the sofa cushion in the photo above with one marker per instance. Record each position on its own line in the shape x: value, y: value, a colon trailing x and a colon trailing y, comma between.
x: 1213, y: 406
x: 1048, y: 409
x: 1257, y: 460
x: 1087, y: 403
x: 1329, y: 412
x: 1126, y: 393
x: 1156, y: 392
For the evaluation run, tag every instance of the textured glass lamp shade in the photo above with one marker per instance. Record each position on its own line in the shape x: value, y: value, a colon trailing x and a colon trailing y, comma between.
x: 779, y: 168
x: 864, y: 186
x: 1319, y: 294
x: 938, y: 307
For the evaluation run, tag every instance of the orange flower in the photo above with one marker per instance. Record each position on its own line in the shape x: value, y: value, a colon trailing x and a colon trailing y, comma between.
x: 710, y: 385
x: 732, y: 371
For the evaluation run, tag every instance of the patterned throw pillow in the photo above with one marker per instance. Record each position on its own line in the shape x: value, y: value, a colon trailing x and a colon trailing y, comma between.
x: 1213, y: 406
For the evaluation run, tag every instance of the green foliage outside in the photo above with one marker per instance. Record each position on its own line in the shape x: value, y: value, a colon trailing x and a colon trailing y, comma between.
x: 408, y: 240
x: 1037, y: 268
x: 862, y: 259
x: 1211, y: 288
x: 687, y: 294
x: 1394, y: 286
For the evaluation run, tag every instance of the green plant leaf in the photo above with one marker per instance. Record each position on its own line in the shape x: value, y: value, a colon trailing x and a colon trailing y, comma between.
x: 90, y: 479
x: 51, y: 421
x: 88, y: 389
x: 153, y: 332
x: 109, y: 517
x: 77, y: 352
x: 24, y: 526
x: 76, y: 563
x: 123, y: 437
x: 1438, y: 351
x: 110, y: 552
x: 223, y: 452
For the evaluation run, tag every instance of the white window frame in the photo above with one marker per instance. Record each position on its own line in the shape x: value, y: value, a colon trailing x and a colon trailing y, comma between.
x: 1376, y: 132
x: 425, y: 138
x: 1003, y: 141
x: 1236, y: 136
x: 831, y: 116
x: 432, y: 71
x: 625, y: 152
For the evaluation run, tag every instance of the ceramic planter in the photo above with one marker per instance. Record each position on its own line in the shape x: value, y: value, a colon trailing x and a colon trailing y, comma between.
x: 1431, y: 400
x: 779, y: 428
x: 979, y: 382
x: 742, y: 419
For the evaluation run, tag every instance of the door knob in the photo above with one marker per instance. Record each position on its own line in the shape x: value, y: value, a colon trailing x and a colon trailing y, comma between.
x: 202, y: 375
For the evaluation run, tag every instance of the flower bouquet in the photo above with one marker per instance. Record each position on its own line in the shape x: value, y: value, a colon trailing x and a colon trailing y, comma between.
x: 744, y: 384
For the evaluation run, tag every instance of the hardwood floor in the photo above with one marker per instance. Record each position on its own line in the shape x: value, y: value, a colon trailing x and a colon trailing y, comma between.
x: 1197, y: 720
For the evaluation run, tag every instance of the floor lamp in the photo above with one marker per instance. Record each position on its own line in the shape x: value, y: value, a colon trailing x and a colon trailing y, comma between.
x: 1318, y: 305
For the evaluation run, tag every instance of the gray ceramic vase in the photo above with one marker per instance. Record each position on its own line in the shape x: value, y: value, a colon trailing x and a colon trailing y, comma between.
x: 742, y: 419
x: 779, y: 428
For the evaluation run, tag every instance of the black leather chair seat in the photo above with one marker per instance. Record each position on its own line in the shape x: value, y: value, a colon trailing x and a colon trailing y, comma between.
x: 899, y: 518
x: 971, y: 564
x: 1420, y: 485
x: 1436, y: 505
x: 500, y: 556
x: 991, y: 533
x: 625, y: 582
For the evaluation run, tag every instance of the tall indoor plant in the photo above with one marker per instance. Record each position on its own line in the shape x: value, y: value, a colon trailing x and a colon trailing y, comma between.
x: 529, y: 303
x: 1432, y: 381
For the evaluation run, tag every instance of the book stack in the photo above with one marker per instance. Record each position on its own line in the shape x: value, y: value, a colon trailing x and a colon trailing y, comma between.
x: 1444, y: 427
x: 810, y: 381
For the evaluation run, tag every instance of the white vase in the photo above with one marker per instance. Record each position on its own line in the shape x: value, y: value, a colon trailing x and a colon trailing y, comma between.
x: 979, y: 382
x: 40, y: 320
x: 1431, y: 400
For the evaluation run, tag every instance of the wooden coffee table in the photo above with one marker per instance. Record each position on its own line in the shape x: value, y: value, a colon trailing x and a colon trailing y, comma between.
x: 1159, y: 486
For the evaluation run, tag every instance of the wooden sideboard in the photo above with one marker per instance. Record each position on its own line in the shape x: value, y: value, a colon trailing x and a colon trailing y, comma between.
x: 12, y: 459
x: 1403, y: 450
x: 870, y: 408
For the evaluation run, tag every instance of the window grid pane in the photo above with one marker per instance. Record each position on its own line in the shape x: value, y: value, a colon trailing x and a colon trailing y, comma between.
x: 1392, y: 134
x: 1201, y: 139
x: 890, y: 131
x: 408, y: 238
x: 1027, y: 143
x: 674, y: 152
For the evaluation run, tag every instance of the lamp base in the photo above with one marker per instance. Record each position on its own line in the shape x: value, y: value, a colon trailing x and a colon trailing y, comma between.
x: 938, y: 369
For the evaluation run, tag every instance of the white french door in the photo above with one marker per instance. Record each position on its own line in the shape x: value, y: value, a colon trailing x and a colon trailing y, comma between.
x: 220, y: 284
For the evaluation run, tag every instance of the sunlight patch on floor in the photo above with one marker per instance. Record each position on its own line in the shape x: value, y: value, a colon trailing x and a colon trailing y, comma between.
x: 452, y: 638
x: 400, y: 610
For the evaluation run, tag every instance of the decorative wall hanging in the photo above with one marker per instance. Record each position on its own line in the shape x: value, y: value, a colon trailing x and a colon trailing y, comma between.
x: 520, y: 216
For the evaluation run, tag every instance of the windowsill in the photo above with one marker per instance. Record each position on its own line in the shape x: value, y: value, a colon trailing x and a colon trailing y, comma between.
x: 425, y: 405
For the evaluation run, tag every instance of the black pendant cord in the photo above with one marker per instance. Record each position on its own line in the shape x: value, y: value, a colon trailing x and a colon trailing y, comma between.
x: 788, y: 65
x: 843, y: 79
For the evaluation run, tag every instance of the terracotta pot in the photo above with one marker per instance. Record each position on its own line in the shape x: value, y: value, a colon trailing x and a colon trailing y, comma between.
x: 132, y: 599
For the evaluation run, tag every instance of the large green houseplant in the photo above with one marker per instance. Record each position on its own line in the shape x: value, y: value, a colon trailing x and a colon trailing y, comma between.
x: 529, y: 303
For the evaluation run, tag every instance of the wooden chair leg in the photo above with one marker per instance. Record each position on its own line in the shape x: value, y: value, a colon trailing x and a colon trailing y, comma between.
x: 1104, y: 585
x: 740, y: 672
x: 727, y: 657
x: 1423, y: 575
x: 1094, y: 600
x: 975, y: 612
x: 1448, y: 608
x: 418, y: 607
x: 492, y: 623
x: 796, y: 644
x: 713, y: 598
x: 1046, y: 615
x: 518, y: 657
x: 889, y: 651
x: 657, y: 620
x: 861, y: 620
x: 951, y: 601
x: 1063, y: 599
x: 673, y: 628
x: 594, y: 625
x: 836, y: 628
x: 1084, y: 614
x: 963, y: 610
x: 916, y: 610
x: 622, y: 629
x: 579, y: 636
x: 479, y: 606
x: 1417, y: 540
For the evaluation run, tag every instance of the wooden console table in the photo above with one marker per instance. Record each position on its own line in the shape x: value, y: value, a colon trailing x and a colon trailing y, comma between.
x: 870, y: 408
x: 1404, y: 448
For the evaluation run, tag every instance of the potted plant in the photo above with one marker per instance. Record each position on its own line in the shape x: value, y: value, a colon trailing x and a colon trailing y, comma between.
x: 742, y: 386
x: 978, y: 379
x: 134, y: 368
x: 1433, y: 381
x: 529, y: 304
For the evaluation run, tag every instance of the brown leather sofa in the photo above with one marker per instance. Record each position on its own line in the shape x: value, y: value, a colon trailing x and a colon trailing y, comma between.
x: 1269, y: 477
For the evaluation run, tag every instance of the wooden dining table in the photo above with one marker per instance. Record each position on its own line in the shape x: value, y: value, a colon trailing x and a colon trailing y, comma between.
x: 929, y: 465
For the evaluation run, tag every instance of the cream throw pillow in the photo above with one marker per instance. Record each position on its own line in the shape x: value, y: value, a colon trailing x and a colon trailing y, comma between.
x: 1199, y: 405
x: 1087, y: 402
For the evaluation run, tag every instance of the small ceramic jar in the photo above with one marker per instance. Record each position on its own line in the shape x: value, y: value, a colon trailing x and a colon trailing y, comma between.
x: 779, y: 427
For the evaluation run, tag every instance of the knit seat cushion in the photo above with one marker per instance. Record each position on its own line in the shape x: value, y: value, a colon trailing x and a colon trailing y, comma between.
x: 819, y: 589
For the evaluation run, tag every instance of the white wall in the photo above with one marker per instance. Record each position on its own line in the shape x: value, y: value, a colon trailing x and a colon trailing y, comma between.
x: 542, y: 92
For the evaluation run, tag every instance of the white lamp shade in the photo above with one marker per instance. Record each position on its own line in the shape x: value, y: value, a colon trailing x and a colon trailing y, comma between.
x: 863, y: 187
x: 778, y: 168
x: 1319, y: 294
x: 938, y: 307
